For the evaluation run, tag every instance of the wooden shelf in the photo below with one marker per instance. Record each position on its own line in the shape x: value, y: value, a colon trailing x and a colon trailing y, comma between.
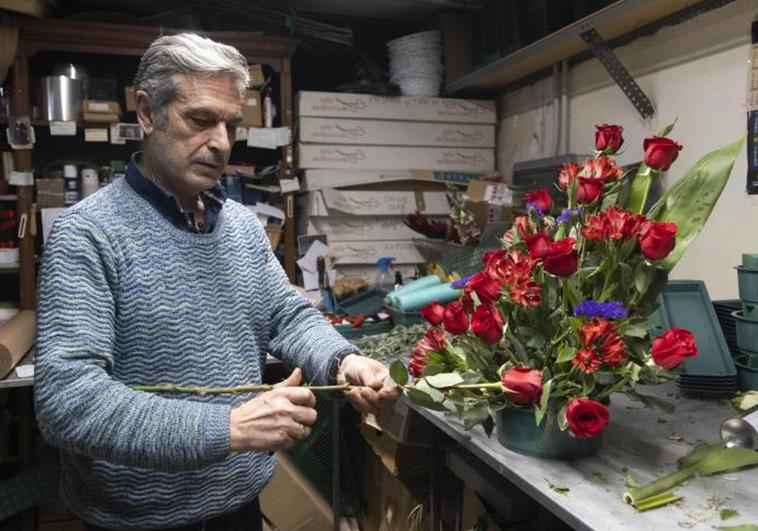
x: 611, y: 22
x: 8, y: 197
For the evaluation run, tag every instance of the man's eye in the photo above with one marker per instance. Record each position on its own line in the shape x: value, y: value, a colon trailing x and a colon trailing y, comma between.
x: 201, y: 122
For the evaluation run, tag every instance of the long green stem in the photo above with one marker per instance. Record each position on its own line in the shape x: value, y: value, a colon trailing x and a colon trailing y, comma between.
x: 615, y: 387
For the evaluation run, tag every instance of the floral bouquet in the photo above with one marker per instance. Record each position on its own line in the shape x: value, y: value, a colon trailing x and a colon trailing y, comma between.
x: 558, y: 318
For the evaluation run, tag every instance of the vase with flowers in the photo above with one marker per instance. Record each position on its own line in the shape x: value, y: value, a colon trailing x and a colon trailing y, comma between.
x: 557, y: 320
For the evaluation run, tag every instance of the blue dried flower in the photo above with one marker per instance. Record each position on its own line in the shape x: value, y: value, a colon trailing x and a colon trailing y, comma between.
x: 533, y: 206
x: 608, y: 310
x: 566, y: 215
x: 461, y: 282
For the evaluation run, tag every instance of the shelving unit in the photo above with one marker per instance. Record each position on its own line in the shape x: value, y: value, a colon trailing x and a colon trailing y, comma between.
x: 612, y: 22
x: 40, y: 35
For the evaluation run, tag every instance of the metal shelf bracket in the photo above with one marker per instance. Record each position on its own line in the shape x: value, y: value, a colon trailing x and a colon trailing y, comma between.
x: 618, y: 72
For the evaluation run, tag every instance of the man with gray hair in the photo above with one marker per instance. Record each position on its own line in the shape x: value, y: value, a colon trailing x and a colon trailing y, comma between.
x: 160, y: 278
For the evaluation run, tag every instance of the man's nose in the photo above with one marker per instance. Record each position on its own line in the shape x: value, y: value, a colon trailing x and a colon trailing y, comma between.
x: 219, y: 140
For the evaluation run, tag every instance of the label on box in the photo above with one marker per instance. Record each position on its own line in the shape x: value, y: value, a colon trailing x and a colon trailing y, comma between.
x: 289, y: 185
x: 95, y: 135
x: 498, y: 194
x: 62, y: 128
x: 98, y: 106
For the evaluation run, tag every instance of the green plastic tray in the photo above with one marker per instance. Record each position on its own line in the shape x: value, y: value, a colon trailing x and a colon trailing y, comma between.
x: 367, y: 302
x: 400, y: 318
x: 686, y: 304
x: 747, y: 370
x: 747, y: 281
x: 747, y: 332
x: 367, y: 329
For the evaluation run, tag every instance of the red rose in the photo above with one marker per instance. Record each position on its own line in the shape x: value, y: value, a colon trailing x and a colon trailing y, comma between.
x: 660, y: 152
x: 567, y: 174
x: 493, y: 255
x: 657, y: 239
x: 417, y: 363
x: 540, y: 199
x: 456, y: 318
x: 608, y: 138
x: 524, y: 385
x: 671, y: 347
x: 589, y: 189
x: 601, y: 168
x: 433, y: 312
x: 487, y: 323
x: 586, y: 418
x: 486, y: 286
x: 537, y: 244
x: 561, y: 258
x: 434, y: 340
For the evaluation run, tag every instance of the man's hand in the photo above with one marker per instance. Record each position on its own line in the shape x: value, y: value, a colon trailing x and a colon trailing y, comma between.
x: 360, y: 370
x: 274, y: 420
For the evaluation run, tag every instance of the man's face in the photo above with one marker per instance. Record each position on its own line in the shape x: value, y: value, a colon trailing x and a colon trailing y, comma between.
x: 191, y: 148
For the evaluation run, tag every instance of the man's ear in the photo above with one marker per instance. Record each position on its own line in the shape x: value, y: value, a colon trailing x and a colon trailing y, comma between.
x: 145, y: 115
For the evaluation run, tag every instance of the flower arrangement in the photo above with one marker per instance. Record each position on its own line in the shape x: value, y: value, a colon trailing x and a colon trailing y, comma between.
x: 557, y: 320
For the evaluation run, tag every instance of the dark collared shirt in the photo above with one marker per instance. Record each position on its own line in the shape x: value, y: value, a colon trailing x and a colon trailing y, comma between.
x: 213, y: 200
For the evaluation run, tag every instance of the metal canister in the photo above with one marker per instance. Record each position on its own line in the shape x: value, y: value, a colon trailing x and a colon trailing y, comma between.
x: 61, y: 98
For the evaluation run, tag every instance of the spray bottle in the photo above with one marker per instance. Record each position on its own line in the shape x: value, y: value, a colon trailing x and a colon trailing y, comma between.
x: 384, y: 279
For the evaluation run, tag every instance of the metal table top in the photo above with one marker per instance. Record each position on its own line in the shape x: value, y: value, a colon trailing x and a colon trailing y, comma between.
x: 12, y: 380
x: 640, y: 441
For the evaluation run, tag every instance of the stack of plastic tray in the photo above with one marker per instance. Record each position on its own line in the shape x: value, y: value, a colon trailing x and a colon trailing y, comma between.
x: 712, y: 373
x: 724, y: 310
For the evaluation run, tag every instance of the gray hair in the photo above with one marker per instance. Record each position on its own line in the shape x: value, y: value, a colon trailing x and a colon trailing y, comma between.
x: 185, y: 53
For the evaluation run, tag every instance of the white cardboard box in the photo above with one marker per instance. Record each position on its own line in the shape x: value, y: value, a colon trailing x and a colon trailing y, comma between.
x: 330, y: 202
x: 395, y: 133
x: 318, y: 179
x: 412, y: 108
x: 324, y: 156
x: 362, y: 229
x: 404, y: 252
x: 370, y: 272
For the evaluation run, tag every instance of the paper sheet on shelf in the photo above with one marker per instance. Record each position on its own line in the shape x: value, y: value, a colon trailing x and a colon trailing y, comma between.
x: 309, y: 262
x: 268, y: 137
x: 265, y: 211
x: 24, y: 371
x: 48, y: 216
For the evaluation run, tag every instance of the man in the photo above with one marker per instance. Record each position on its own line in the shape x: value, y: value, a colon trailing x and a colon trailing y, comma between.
x: 158, y: 278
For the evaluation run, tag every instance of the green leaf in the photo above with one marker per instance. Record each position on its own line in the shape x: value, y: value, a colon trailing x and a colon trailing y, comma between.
x: 471, y: 377
x: 563, y: 491
x: 652, y: 401
x: 488, y: 425
x: 474, y: 415
x: 670, y: 127
x: 432, y: 369
x: 643, y: 277
x: 639, y: 189
x: 626, y: 274
x: 424, y: 400
x: 630, y: 482
x: 743, y: 527
x: 565, y: 353
x: 638, y: 330
x: 726, y: 514
x: 539, y: 412
x: 562, y: 420
x: 399, y: 373
x: 690, y: 201
x: 444, y: 380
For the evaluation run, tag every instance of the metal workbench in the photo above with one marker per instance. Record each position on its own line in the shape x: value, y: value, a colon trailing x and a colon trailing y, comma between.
x: 640, y: 441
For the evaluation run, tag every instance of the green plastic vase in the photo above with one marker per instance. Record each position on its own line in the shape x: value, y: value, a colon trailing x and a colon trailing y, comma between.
x: 518, y: 431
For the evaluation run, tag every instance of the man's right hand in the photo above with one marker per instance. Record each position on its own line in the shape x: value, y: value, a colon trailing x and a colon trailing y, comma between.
x: 274, y: 420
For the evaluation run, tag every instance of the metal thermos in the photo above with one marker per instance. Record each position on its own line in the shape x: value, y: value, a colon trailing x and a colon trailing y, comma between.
x: 61, y: 98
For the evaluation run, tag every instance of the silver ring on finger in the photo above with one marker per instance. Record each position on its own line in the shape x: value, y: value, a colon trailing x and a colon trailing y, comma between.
x: 302, y: 431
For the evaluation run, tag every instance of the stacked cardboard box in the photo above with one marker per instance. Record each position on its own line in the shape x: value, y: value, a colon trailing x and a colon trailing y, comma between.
x: 368, y: 160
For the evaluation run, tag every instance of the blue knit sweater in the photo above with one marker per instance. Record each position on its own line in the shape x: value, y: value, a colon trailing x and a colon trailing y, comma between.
x: 126, y: 298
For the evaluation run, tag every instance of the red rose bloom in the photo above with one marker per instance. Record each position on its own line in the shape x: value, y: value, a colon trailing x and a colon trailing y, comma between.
x: 586, y: 418
x: 660, y: 152
x: 541, y: 199
x: 608, y: 138
x: 601, y: 168
x: 433, y: 312
x: 487, y: 323
x: 657, y: 239
x: 455, y: 320
x: 537, y: 244
x: 524, y: 385
x: 561, y: 258
x: 587, y: 359
x: 526, y: 293
x: 589, y: 189
x: 434, y: 340
x: 486, y: 286
x: 567, y: 173
x: 671, y: 347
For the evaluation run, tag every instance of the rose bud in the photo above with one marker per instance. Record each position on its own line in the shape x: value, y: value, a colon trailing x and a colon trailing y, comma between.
x: 561, y: 259
x: 671, y: 347
x: 660, y: 152
x: 657, y: 239
x: 524, y: 385
x: 487, y: 323
x: 608, y: 138
x: 433, y: 312
x: 589, y: 189
x: 537, y: 244
x: 455, y: 320
x: 540, y: 199
x: 586, y: 418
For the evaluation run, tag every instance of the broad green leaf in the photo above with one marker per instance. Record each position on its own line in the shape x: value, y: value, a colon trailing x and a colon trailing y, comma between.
x: 626, y: 274
x: 399, y: 373
x: 640, y: 188
x: 637, y: 330
x: 540, y: 411
x: 565, y: 353
x: 488, y: 425
x: 436, y: 395
x: 690, y: 201
x: 424, y: 400
x: 474, y: 415
x: 471, y: 377
x: 726, y: 514
x: 432, y: 369
x: 444, y: 380
x: 643, y: 277
x: 562, y: 420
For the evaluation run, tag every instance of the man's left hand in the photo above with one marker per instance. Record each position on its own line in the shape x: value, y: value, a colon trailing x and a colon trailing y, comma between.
x: 377, y: 393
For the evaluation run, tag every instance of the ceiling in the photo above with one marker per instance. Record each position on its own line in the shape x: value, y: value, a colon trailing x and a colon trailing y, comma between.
x: 385, y: 9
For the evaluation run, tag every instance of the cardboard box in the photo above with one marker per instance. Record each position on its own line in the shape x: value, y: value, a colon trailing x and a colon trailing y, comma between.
x: 489, y: 213
x: 50, y: 193
x: 343, y: 157
x: 291, y: 502
x: 131, y: 102
x: 101, y: 107
x: 489, y: 191
x: 395, y: 133
x: 362, y: 228
x: 100, y: 117
x: 252, y: 109
x: 318, y: 179
x: 330, y: 202
x: 369, y: 273
x: 356, y: 252
x: 409, y: 108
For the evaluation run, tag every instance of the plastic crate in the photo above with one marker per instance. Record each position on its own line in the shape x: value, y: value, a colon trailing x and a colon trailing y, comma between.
x: 367, y: 329
x: 724, y: 309
x: 400, y: 318
x: 367, y: 302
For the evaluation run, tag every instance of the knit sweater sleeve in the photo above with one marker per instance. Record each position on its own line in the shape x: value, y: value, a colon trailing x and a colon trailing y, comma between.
x: 299, y: 334
x: 80, y: 407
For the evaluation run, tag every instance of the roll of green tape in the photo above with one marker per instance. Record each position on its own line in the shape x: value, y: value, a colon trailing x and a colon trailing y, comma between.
x: 419, y: 283
x: 417, y: 299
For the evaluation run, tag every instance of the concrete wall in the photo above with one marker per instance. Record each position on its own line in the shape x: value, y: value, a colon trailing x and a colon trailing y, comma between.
x: 696, y: 72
